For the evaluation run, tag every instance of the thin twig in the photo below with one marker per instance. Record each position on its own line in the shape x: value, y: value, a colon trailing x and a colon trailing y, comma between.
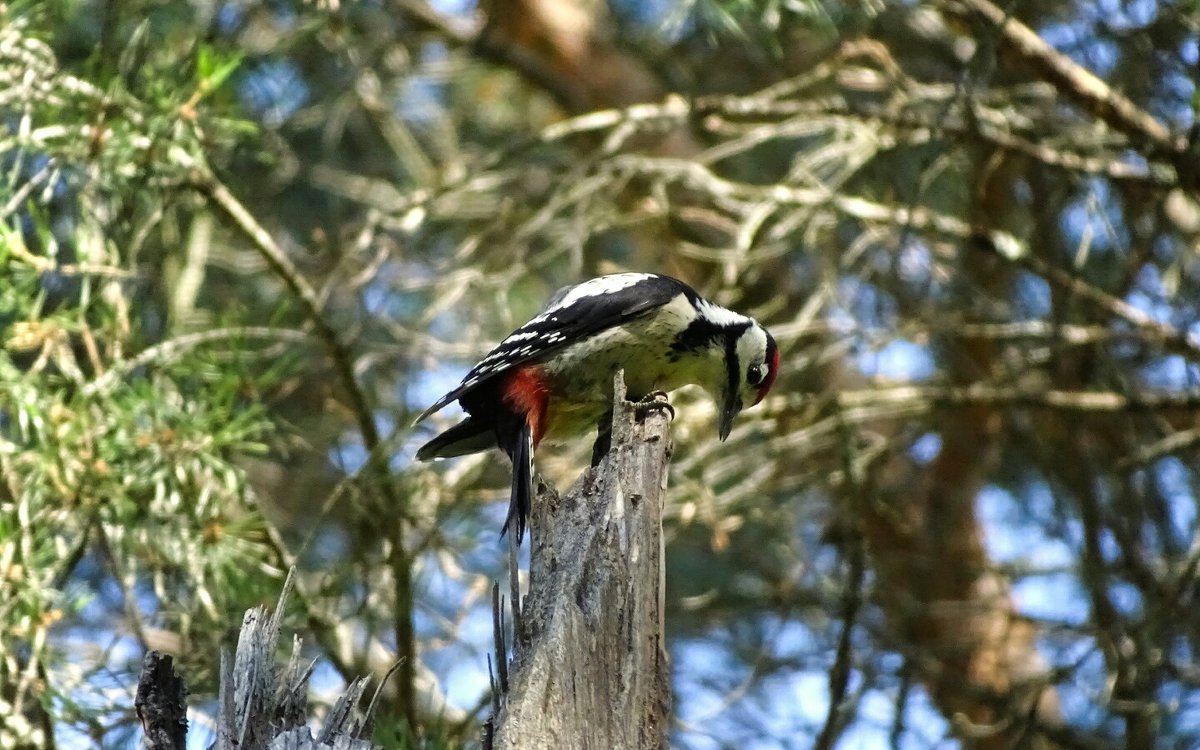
x: 277, y: 259
x: 697, y: 176
x: 216, y: 191
x: 20, y: 194
x: 1095, y: 402
x: 839, y: 675
x: 172, y: 349
x: 1173, y: 339
x: 1072, y: 79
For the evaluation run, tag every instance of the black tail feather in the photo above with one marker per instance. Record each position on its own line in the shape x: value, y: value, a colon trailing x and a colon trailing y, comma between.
x: 521, y: 499
x: 468, y: 436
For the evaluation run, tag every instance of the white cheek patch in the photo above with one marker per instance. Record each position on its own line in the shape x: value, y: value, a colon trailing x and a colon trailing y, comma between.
x: 752, y: 350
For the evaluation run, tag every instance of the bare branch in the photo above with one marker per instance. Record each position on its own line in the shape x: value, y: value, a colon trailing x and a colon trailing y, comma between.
x: 1075, y: 81
x: 343, y: 362
x: 921, y: 398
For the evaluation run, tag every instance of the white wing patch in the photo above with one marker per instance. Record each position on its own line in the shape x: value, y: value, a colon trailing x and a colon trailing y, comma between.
x: 597, y: 287
x: 520, y: 335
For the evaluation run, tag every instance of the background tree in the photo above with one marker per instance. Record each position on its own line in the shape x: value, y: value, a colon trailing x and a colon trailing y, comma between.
x: 242, y: 244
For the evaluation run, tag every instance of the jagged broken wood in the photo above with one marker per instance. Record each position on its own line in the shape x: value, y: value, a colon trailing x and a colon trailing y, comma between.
x: 161, y: 703
x: 590, y: 667
x: 259, y: 706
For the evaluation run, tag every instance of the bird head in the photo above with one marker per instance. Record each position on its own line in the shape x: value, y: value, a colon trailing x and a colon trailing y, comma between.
x: 752, y: 364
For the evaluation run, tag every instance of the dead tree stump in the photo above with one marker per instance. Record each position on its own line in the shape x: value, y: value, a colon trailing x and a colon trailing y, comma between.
x: 591, y: 668
x: 260, y: 706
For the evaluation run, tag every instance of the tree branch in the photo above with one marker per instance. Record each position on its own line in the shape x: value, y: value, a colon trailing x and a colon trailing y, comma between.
x: 1073, y: 80
x: 494, y: 49
x: 343, y: 362
x: 1094, y: 402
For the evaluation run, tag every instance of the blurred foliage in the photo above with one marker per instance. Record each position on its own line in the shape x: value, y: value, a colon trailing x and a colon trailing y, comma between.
x: 122, y: 450
x: 243, y: 244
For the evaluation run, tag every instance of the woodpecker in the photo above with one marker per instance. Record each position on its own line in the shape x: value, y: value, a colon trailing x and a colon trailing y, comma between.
x: 552, y: 377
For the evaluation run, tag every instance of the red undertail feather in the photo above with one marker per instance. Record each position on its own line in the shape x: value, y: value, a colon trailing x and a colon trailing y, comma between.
x: 527, y: 392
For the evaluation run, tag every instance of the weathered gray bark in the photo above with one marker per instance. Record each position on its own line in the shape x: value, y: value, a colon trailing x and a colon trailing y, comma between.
x: 260, y: 707
x: 591, y: 665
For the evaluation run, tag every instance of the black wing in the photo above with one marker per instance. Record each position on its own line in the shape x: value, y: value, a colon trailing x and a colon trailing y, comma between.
x: 572, y: 314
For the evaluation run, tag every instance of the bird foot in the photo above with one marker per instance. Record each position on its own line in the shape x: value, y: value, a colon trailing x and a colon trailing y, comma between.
x: 654, y: 401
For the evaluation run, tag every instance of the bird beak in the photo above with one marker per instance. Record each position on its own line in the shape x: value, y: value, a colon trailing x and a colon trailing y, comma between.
x: 733, y: 405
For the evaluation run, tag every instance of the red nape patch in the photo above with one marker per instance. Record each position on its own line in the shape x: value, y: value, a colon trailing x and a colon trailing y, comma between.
x: 528, y: 393
x: 772, y: 373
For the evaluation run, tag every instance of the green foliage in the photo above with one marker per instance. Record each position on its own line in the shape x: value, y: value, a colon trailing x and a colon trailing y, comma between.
x: 121, y: 451
x: 392, y: 198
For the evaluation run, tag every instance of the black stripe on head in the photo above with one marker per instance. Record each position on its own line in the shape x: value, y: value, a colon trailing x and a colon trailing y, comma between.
x: 702, y: 334
x: 733, y: 368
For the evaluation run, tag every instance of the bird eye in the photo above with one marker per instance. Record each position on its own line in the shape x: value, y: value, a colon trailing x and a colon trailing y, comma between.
x: 754, y: 375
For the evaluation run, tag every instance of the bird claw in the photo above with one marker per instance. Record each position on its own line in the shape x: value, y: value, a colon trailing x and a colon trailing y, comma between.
x: 654, y: 401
